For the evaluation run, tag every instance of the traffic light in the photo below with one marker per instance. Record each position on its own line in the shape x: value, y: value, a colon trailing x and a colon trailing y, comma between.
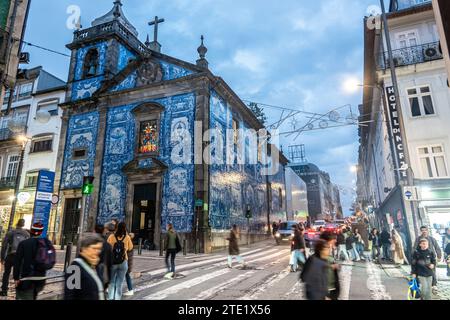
x: 88, y: 185
x: 248, y: 213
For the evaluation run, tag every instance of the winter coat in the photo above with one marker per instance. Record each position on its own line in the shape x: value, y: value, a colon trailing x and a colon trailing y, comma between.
x: 446, y: 241
x: 385, y: 238
x: 433, y: 246
x: 105, y: 266
x: 315, y: 277
x: 420, y: 262
x: 24, y: 265
x: 8, y: 242
x: 126, y: 240
x: 349, y: 242
x: 375, y: 240
x: 298, y: 241
x: 340, y: 239
x: 91, y: 287
x: 233, y: 247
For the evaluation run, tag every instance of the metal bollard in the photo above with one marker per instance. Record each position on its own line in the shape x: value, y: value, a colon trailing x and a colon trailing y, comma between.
x: 68, y: 257
x: 62, y: 242
x: 140, y: 247
x: 161, y: 247
x: 197, y: 246
x: 184, y: 247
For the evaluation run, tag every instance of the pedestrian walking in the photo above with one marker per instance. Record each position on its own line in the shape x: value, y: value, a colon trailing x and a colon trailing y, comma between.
x: 422, y: 266
x: 88, y: 284
x: 105, y: 264
x: 8, y: 254
x: 340, y: 242
x: 398, y: 252
x: 433, y: 246
x: 274, y: 229
x: 351, y: 246
x: 333, y: 275
x: 385, y: 239
x: 172, y: 247
x: 446, y: 247
x: 34, y: 257
x: 110, y: 228
x: 233, y: 247
x: 128, y: 278
x: 298, y: 248
x: 359, y: 245
x: 121, y: 244
x: 315, y: 274
x: 376, y: 244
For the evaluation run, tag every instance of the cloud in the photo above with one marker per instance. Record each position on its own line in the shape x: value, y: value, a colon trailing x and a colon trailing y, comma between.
x: 249, y: 59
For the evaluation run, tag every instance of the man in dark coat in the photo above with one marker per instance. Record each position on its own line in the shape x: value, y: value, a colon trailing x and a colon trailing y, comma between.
x: 433, y: 246
x: 233, y: 247
x: 105, y: 265
x: 385, y: 239
x: 82, y: 279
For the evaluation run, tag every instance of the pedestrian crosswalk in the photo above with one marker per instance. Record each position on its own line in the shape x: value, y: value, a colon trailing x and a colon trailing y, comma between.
x: 266, y: 276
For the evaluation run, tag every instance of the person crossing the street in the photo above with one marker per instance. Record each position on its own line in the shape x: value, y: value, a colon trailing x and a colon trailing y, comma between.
x: 172, y: 247
x: 233, y: 247
x: 423, y: 268
x: 297, y: 250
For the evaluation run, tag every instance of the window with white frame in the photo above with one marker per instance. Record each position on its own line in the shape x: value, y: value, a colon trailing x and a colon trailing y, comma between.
x: 13, y: 165
x: 31, y: 179
x: 433, y: 162
x: 49, y: 106
x: 407, y: 39
x: 25, y: 90
x: 42, y: 145
x: 421, y: 101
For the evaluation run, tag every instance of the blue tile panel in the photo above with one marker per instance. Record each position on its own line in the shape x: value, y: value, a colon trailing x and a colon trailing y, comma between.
x: 233, y: 187
x: 171, y: 71
x: 85, y: 88
x: 177, y: 205
x: 81, y: 134
x: 124, y: 56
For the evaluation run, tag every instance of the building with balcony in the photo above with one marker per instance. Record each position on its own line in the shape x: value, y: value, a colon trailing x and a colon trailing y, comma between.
x: 13, y: 18
x: 425, y: 102
x: 36, y: 91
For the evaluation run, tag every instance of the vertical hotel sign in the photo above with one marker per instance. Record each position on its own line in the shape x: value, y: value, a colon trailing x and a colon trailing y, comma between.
x: 43, y: 201
x: 397, y: 134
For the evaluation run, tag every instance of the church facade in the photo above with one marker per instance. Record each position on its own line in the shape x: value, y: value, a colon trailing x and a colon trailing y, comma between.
x: 138, y: 121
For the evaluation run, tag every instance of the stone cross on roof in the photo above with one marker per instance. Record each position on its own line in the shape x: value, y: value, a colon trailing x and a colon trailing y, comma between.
x: 155, y: 45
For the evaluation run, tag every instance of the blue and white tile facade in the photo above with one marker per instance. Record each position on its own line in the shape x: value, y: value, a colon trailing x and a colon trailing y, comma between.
x: 178, y: 194
x: 234, y: 187
x: 125, y: 56
x: 83, y: 89
x: 81, y: 133
x: 172, y: 71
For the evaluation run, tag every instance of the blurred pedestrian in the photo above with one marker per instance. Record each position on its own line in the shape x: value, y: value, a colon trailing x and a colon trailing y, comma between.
x: 89, y: 284
x: 172, y: 247
x: 376, y: 244
x: 385, y: 239
x: 297, y: 250
x: 340, y: 242
x: 34, y: 257
x: 128, y: 277
x: 422, y: 267
x: 121, y: 244
x: 359, y: 245
x: 8, y: 254
x: 316, y: 273
x: 105, y: 264
x: 233, y: 247
x: 398, y: 254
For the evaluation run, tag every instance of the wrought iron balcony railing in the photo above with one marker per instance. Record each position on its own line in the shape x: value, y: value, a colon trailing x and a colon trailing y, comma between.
x: 7, y: 183
x: 411, y: 55
x: 7, y: 134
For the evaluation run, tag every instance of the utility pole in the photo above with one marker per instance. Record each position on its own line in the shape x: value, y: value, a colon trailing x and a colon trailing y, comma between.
x: 87, y: 189
x: 409, y: 179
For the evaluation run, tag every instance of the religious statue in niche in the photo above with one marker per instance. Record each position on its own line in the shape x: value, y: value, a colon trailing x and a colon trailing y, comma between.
x: 148, y: 137
x: 149, y: 72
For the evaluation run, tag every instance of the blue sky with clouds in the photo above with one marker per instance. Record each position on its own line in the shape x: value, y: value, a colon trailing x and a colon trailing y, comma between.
x: 292, y: 53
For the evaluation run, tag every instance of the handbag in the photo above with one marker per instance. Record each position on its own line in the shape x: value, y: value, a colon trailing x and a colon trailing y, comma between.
x: 178, y: 244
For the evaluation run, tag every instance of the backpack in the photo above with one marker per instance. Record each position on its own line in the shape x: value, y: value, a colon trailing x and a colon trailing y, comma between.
x: 16, y: 238
x: 45, y: 258
x: 118, y: 256
x: 178, y: 244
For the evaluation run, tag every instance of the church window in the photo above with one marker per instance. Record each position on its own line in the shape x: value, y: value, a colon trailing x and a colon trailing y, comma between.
x: 91, y: 63
x: 148, y: 137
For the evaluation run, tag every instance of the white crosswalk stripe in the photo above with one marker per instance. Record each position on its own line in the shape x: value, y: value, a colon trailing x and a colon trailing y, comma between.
x: 345, y: 280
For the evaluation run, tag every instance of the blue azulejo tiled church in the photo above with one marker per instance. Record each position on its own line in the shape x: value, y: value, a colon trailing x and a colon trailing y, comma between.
x: 127, y: 106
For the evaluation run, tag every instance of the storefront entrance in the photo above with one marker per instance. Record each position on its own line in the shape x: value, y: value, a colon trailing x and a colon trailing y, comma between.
x: 144, y: 209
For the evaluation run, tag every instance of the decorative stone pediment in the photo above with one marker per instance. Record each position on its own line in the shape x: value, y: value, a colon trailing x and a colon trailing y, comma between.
x: 148, y: 165
x: 149, y: 72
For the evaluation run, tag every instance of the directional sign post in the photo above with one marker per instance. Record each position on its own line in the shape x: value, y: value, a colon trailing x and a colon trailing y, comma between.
x: 86, y: 191
x: 43, y: 200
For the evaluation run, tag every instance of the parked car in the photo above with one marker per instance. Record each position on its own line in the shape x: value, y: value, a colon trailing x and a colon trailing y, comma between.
x: 318, y: 224
x: 285, y: 232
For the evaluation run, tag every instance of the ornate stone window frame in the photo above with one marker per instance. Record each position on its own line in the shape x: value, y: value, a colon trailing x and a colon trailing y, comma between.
x: 147, y: 112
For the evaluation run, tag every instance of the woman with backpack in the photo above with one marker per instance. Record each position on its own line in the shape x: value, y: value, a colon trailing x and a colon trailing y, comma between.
x: 172, y: 247
x: 121, y: 243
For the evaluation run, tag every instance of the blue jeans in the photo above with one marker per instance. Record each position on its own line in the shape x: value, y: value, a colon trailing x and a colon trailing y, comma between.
x: 296, y: 255
x: 386, y: 251
x: 129, y: 281
x: 172, y: 253
x: 118, y: 274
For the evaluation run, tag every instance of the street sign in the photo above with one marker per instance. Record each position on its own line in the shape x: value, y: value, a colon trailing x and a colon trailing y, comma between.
x: 410, y: 193
x: 55, y: 199
x: 43, y: 200
x: 88, y: 185
x: 199, y: 203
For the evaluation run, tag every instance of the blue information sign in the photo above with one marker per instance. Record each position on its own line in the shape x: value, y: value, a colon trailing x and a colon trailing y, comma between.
x: 43, y: 200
